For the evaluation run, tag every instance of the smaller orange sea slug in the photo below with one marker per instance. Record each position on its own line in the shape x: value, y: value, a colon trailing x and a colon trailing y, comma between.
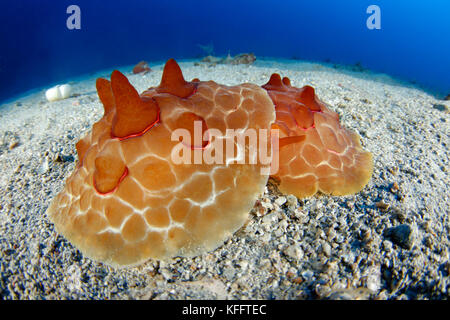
x: 323, y: 156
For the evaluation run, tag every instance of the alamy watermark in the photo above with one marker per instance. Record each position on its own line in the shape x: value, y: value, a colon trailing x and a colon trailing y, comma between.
x: 242, y: 146
x: 374, y: 20
x: 74, y: 20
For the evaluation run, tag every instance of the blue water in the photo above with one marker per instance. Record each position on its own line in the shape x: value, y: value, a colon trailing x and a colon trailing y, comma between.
x: 37, y: 49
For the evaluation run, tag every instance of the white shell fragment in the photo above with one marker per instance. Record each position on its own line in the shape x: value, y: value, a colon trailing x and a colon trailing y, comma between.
x: 58, y: 92
x: 65, y: 90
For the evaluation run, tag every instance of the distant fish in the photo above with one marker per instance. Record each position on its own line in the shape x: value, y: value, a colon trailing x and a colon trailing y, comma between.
x: 208, y: 48
x: 243, y: 58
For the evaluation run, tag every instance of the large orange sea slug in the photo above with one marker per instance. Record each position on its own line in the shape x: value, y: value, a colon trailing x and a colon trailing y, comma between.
x: 127, y: 201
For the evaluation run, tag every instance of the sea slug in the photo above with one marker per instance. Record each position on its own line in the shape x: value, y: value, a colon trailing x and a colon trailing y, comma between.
x: 327, y: 157
x: 128, y: 200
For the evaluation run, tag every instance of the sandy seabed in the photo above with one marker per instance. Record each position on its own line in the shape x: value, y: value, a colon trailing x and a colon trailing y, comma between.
x: 389, y: 241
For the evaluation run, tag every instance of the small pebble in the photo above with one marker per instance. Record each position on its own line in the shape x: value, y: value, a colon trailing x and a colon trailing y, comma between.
x: 394, y: 187
x: 280, y: 201
x: 440, y: 107
x: 326, y: 249
x: 382, y: 205
x: 13, y: 145
x: 307, y: 275
x: 401, y: 235
x: 294, y: 251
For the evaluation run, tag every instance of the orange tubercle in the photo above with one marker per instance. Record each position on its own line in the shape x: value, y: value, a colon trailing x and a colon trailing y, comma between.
x: 105, y: 94
x: 173, y: 82
x: 187, y: 121
x: 133, y: 115
x: 106, y: 192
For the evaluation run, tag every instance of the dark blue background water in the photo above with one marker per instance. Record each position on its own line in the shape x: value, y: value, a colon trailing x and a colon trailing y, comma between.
x: 37, y: 49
